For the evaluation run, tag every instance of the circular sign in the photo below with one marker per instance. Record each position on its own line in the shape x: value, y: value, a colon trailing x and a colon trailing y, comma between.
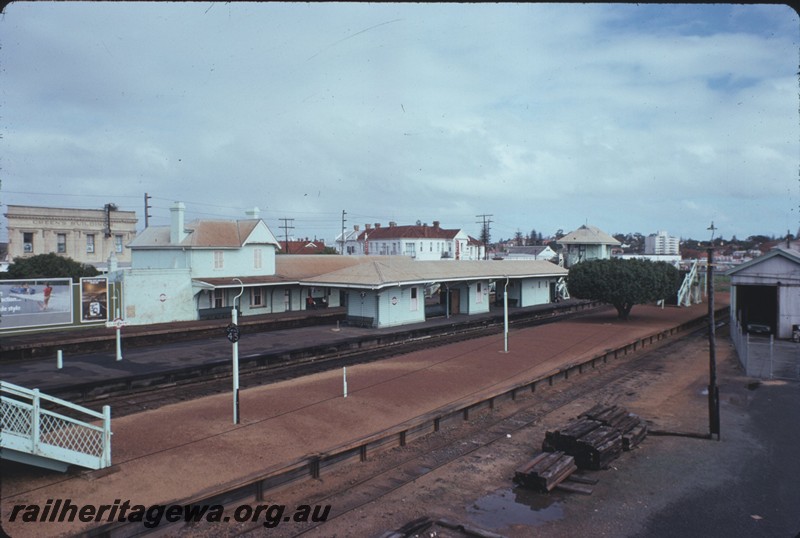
x: 118, y: 323
x: 394, y: 300
x: 162, y: 297
x: 232, y: 332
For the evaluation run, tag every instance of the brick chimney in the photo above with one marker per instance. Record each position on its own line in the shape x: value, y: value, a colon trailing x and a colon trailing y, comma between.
x: 436, y: 225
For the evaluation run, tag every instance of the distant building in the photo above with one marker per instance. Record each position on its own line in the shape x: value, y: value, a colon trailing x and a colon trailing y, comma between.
x: 87, y: 236
x: 419, y: 241
x: 662, y: 243
x: 587, y: 243
x: 302, y: 246
x: 538, y: 252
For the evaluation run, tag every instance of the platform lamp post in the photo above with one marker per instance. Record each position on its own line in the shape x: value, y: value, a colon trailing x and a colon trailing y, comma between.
x: 233, y: 336
x: 713, y: 389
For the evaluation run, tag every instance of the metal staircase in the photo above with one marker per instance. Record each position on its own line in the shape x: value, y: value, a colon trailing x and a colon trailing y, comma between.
x: 561, y: 288
x: 33, y: 435
x: 689, y: 292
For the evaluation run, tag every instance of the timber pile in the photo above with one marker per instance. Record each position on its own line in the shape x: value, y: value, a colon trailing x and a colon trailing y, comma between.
x: 597, y: 437
x: 632, y: 428
x: 545, y: 471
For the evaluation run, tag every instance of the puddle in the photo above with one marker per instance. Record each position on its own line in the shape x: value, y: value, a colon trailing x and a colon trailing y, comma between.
x: 515, y: 506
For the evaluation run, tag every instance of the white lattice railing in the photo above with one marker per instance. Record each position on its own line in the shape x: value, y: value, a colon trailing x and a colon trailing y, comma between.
x: 689, y: 292
x: 27, y: 427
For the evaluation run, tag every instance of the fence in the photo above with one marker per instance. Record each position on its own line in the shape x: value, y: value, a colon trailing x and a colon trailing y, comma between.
x: 765, y: 357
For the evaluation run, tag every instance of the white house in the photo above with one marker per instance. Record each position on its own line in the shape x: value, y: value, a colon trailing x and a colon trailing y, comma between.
x: 587, y: 243
x: 170, y: 263
x: 419, y: 241
x: 766, y: 292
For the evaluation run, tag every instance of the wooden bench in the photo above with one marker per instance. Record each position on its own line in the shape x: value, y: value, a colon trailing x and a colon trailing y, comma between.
x: 216, y: 313
x: 360, y: 321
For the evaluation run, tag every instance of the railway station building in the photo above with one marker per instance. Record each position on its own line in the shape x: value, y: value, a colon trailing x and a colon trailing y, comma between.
x: 200, y: 269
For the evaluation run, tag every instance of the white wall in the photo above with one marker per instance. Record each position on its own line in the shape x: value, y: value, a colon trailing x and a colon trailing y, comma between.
x: 158, y: 296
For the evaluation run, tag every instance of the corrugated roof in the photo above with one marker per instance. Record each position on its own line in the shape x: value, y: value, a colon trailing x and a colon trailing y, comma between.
x: 380, y: 271
x: 391, y: 270
x: 201, y: 234
x: 588, y: 235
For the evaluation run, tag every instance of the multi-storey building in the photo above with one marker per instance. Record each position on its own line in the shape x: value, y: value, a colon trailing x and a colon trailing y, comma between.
x: 87, y: 236
x: 661, y: 243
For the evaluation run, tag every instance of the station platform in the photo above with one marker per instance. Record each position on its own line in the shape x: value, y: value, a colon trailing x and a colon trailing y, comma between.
x: 203, y: 344
x: 191, y: 451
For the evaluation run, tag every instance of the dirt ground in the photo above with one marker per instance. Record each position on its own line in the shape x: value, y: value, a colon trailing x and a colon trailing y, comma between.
x: 669, y: 392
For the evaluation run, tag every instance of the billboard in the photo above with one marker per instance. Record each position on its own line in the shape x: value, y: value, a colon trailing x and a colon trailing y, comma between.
x: 94, y: 299
x: 35, y: 302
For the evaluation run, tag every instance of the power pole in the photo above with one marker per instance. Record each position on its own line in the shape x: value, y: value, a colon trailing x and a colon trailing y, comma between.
x: 343, y: 221
x: 147, y: 208
x: 286, y: 229
x: 485, y: 233
x: 713, y: 389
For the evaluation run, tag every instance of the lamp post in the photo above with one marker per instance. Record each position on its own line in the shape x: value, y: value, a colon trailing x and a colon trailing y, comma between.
x: 233, y: 336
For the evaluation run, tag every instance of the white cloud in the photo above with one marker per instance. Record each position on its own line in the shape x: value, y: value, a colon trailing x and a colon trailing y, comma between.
x: 542, y: 115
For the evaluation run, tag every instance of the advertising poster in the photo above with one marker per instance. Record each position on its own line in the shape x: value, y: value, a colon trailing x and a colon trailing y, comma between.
x: 94, y: 299
x: 35, y: 302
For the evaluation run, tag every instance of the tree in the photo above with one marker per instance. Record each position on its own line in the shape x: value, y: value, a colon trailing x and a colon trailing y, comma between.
x: 48, y: 266
x: 623, y: 283
x: 518, y: 239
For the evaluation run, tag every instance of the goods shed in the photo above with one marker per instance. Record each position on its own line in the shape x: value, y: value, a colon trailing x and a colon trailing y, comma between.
x: 765, y: 293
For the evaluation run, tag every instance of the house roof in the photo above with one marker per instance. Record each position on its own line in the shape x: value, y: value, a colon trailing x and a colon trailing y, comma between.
x: 303, y: 247
x: 289, y: 269
x: 407, y: 232
x: 783, y: 252
x: 205, y: 234
x: 529, y: 250
x: 588, y: 235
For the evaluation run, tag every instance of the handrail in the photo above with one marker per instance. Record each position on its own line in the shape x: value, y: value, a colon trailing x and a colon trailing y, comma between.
x: 44, y: 433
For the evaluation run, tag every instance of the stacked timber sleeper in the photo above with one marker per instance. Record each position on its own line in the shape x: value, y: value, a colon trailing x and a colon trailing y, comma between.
x: 591, y: 441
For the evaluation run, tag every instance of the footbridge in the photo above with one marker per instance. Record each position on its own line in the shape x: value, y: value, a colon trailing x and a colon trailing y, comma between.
x: 32, y: 432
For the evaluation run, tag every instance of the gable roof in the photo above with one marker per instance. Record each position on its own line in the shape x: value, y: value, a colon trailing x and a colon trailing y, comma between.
x: 782, y: 252
x: 588, y: 235
x: 219, y: 234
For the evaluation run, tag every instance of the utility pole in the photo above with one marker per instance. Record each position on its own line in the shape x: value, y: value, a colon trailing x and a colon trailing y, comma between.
x: 286, y: 229
x: 343, y: 221
x: 485, y: 233
x: 147, y: 208
x: 713, y: 390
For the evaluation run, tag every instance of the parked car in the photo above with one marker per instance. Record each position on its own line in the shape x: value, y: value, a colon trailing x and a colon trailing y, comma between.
x: 759, y: 328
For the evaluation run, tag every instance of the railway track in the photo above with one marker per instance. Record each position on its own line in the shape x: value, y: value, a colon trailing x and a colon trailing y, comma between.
x: 264, y: 370
x: 444, y: 450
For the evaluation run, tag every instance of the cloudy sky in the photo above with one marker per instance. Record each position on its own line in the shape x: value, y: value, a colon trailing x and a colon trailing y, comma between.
x: 544, y: 116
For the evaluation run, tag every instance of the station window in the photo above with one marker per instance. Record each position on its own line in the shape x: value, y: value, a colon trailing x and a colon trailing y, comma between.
x: 256, y: 297
x: 219, y: 259
x: 257, y: 260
